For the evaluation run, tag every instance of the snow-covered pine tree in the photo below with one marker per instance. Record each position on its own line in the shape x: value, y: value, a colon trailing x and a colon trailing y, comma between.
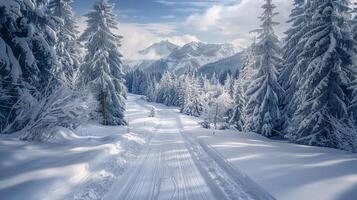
x: 129, y: 76
x: 353, y: 86
x: 139, y: 82
x: 206, y: 85
x: 135, y: 86
x: 181, y: 90
x: 295, y: 62
x: 165, y: 91
x: 201, y: 80
x: 264, y: 91
x: 293, y: 46
x: 27, y: 58
x: 207, y: 115
x: 249, y: 68
x: 193, y: 105
x: 10, y: 74
x: 352, y: 107
x: 246, y: 74
x: 229, y: 85
x: 102, y: 70
x: 328, y: 53
x: 67, y: 47
x: 354, y: 20
x: 151, y: 92
x: 237, y: 119
x: 214, y: 80
x: 223, y: 107
x: 175, y: 91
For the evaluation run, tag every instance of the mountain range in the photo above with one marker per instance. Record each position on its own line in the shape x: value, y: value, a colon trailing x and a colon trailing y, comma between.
x: 205, y: 58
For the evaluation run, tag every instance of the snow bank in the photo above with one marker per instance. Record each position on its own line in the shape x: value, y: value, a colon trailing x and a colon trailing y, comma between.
x: 73, y: 165
x: 80, y: 164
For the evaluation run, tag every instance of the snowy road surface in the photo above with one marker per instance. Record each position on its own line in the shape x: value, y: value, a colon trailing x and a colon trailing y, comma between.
x: 172, y: 167
x: 165, y: 170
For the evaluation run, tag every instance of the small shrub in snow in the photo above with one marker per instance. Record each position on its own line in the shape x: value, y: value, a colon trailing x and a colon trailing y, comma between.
x: 152, y: 112
x: 206, y: 124
x: 63, y: 108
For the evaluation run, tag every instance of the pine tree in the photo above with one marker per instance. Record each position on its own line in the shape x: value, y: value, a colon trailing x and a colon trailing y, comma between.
x: 294, y: 60
x: 353, y: 86
x: 237, y: 118
x: 10, y: 73
x: 138, y: 82
x: 27, y: 60
x: 151, y: 92
x: 67, y: 47
x: 249, y: 68
x: 354, y: 21
x: 103, y: 69
x: 323, y: 86
x: 352, y: 107
x: 264, y: 92
x: 193, y: 105
x: 214, y: 80
x: 293, y: 46
x: 229, y: 85
x: 165, y: 90
x: 181, y: 90
x: 244, y: 79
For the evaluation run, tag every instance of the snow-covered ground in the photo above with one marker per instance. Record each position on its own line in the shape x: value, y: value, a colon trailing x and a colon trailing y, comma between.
x: 171, y: 157
x: 74, y: 165
x: 287, y: 171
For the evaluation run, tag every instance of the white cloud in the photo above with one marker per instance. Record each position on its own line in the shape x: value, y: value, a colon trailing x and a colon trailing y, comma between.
x: 203, y: 22
x: 136, y: 37
x: 238, y: 20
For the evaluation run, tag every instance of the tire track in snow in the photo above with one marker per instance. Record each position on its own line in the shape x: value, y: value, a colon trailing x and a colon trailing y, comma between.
x: 126, y: 188
x: 235, y: 184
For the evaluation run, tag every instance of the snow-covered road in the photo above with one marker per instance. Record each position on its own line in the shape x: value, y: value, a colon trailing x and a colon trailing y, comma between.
x: 171, y: 167
x: 165, y: 169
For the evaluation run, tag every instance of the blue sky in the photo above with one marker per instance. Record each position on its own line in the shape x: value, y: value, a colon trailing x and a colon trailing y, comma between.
x: 149, y: 11
x: 143, y: 22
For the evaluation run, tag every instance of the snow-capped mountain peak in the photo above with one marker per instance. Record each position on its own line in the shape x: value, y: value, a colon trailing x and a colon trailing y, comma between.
x: 158, y: 50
